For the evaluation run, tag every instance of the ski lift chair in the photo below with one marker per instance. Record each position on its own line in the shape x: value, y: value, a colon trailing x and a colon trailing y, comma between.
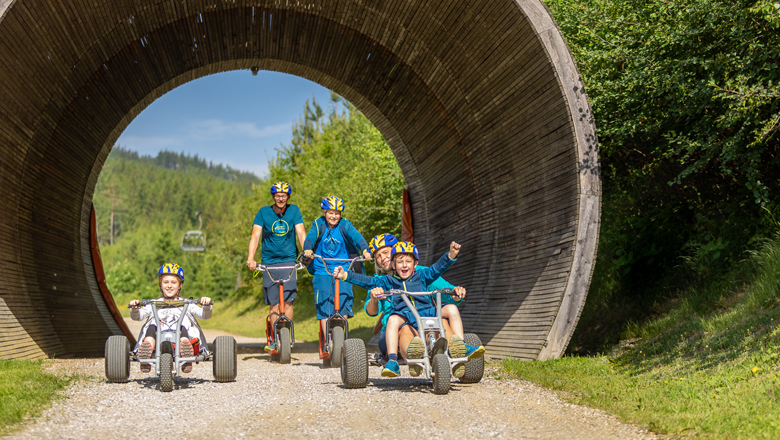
x: 194, y: 241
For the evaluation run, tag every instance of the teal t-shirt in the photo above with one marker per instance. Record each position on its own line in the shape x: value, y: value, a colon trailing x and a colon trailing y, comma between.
x: 278, y: 240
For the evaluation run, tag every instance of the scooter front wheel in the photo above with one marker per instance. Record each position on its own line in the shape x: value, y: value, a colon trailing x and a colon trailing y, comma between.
x: 337, y: 340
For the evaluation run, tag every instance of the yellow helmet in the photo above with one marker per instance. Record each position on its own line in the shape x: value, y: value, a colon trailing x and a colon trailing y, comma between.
x: 333, y: 202
x: 171, y: 269
x: 405, y: 247
x: 281, y: 187
x: 381, y: 241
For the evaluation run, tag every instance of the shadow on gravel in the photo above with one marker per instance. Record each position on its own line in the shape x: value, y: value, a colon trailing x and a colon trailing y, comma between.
x: 405, y: 385
x: 179, y: 383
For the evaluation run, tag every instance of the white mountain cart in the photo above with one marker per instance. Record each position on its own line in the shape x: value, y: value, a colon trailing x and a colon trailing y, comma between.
x: 167, y: 359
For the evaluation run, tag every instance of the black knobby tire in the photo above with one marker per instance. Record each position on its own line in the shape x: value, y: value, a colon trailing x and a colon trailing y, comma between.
x: 166, y: 372
x: 224, y: 365
x: 441, y: 374
x: 337, y: 344
x: 117, y: 359
x: 354, y: 364
x: 475, y: 368
x: 283, y: 345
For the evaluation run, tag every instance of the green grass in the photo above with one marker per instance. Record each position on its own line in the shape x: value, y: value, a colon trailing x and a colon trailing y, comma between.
x: 25, y: 391
x: 707, y: 367
x: 243, y: 313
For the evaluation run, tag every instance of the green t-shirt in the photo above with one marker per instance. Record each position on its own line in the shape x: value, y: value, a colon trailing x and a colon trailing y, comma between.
x: 278, y: 240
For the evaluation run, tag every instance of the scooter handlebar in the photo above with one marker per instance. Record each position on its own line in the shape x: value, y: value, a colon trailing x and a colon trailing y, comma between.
x: 351, y: 261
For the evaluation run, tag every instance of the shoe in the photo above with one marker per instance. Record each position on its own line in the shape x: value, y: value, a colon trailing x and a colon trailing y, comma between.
x: 475, y: 352
x: 415, y: 350
x: 391, y: 369
x: 457, y: 350
x: 145, y: 352
x: 270, y: 347
x: 186, y: 351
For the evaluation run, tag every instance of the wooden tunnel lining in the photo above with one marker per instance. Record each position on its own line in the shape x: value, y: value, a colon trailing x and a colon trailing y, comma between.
x: 480, y: 101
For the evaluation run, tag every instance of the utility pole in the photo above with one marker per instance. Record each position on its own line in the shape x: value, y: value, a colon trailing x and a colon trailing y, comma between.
x: 111, y: 226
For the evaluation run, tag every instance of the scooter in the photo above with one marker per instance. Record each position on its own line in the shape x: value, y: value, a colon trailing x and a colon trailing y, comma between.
x: 282, y: 330
x: 336, y: 327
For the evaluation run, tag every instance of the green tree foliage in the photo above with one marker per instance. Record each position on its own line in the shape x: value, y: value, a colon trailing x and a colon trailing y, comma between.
x: 686, y: 102
x: 154, y: 204
x: 341, y: 154
x: 330, y: 153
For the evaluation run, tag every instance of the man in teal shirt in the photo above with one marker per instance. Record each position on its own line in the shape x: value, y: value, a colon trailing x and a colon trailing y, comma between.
x: 277, y: 225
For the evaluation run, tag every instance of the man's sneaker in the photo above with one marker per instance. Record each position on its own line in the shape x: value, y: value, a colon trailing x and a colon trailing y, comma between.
x: 415, y: 350
x: 145, y: 352
x: 186, y: 351
x: 270, y: 347
x: 475, y: 352
x: 391, y: 369
x: 457, y: 350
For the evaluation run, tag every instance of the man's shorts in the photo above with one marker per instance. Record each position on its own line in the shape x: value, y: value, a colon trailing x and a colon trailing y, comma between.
x: 323, y: 296
x: 271, y: 289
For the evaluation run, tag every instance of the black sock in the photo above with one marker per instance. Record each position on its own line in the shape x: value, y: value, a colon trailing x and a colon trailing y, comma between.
x: 393, y: 357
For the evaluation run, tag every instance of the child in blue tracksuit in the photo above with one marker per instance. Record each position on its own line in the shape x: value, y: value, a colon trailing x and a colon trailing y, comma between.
x: 376, y: 303
x: 332, y: 236
x: 405, y: 277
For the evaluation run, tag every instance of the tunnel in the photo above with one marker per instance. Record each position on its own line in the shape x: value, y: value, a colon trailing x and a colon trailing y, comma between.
x: 480, y: 101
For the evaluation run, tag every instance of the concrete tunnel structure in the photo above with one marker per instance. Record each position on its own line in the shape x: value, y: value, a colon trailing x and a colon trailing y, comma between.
x: 480, y: 101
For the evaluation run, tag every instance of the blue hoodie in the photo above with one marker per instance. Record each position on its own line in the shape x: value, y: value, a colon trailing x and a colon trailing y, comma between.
x: 385, y: 306
x: 418, y: 282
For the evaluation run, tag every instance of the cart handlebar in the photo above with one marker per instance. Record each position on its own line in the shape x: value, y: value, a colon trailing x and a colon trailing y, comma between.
x: 175, y: 303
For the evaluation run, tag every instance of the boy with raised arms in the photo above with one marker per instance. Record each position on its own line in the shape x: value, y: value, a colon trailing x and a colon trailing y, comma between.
x: 404, y: 256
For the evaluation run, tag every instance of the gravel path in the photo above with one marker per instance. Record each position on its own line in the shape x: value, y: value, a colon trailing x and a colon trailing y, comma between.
x: 303, y: 400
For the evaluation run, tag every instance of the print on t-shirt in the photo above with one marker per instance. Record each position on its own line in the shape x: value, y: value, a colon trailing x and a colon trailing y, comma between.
x: 280, y: 228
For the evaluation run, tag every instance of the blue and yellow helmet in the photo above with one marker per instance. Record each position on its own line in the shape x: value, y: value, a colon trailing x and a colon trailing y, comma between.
x: 333, y: 202
x: 405, y: 247
x: 381, y: 241
x: 281, y: 187
x: 171, y: 269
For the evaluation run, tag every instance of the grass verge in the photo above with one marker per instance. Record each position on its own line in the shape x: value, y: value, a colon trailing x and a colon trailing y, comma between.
x: 25, y: 391
x: 707, y: 367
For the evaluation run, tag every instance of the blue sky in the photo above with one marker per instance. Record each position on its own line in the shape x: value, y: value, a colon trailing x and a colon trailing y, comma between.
x: 232, y: 118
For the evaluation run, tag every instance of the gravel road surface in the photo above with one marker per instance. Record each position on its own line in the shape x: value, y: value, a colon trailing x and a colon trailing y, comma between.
x: 304, y: 400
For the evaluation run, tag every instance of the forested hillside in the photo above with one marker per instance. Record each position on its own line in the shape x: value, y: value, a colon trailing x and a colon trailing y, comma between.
x: 153, y: 202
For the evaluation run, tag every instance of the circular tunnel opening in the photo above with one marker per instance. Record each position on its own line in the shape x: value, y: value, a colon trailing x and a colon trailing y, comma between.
x: 481, y: 104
